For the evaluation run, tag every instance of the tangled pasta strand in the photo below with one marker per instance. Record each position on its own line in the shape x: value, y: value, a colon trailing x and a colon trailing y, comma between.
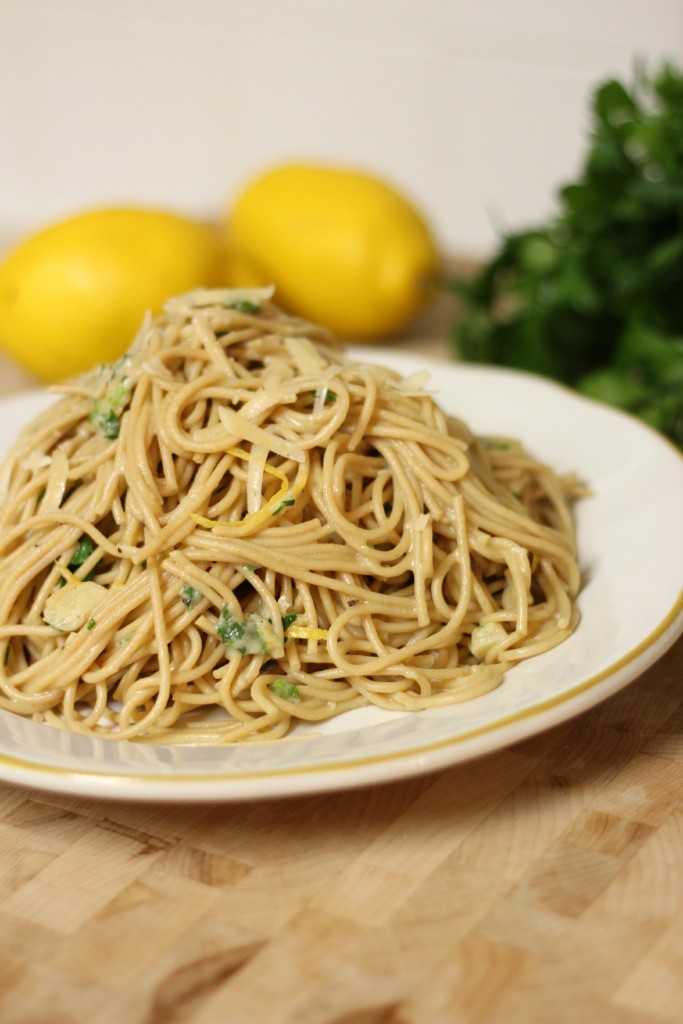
x: 236, y: 528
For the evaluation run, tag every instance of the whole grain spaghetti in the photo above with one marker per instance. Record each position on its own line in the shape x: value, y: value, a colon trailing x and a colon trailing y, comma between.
x: 236, y: 527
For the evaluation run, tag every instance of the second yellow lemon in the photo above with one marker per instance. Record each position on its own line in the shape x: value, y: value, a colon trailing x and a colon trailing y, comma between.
x: 75, y: 294
x: 342, y: 247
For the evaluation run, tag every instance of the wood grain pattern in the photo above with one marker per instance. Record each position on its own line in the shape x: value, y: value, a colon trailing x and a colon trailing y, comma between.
x: 540, y: 885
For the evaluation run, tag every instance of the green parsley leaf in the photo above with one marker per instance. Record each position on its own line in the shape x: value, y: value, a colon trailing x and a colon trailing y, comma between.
x: 189, y: 596
x: 288, y: 620
x: 106, y: 420
x: 83, y: 552
x: 106, y: 411
x: 229, y: 629
x: 251, y: 635
x: 330, y: 396
x: 244, y: 306
x: 593, y: 295
x: 283, y: 688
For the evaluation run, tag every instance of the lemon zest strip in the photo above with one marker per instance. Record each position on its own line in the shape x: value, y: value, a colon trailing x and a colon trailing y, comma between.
x: 252, y: 522
x: 306, y: 633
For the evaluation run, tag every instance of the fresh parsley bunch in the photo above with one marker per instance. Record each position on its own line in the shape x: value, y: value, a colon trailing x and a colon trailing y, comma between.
x: 595, y: 296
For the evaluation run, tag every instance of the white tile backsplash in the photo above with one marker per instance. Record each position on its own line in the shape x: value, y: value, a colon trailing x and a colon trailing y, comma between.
x: 477, y: 110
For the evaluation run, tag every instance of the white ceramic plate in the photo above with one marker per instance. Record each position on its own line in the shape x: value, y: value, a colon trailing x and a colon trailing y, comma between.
x: 631, y: 546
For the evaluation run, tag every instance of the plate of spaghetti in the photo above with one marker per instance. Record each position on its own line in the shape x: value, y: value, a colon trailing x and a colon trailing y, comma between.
x: 245, y: 561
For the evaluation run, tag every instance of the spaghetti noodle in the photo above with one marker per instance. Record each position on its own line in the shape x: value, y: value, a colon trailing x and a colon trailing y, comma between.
x: 236, y: 527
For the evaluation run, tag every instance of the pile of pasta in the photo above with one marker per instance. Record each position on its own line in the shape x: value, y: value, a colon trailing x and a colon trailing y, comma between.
x: 237, y: 527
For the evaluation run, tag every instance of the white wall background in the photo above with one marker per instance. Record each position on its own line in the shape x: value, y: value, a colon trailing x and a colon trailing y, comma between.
x: 477, y: 109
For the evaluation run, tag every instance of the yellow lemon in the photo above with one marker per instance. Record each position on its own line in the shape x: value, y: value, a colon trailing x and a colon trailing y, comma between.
x: 236, y: 269
x: 75, y: 294
x: 341, y: 247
